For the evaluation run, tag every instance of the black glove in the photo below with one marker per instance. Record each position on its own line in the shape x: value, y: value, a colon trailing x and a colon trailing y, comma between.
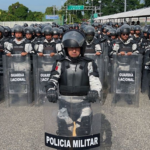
x: 52, y: 96
x: 92, y: 96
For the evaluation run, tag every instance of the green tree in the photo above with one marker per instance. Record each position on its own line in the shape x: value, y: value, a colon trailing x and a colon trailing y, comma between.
x: 5, y: 16
x: 49, y: 10
x: 108, y: 7
x: 30, y: 16
x: 38, y: 16
x: 147, y: 3
x: 118, y: 5
x: 18, y: 10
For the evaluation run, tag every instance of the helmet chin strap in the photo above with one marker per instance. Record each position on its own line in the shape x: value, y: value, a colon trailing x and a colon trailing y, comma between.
x: 18, y: 38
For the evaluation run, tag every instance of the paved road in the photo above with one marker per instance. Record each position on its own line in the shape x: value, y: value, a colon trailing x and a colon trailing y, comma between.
x: 21, y: 128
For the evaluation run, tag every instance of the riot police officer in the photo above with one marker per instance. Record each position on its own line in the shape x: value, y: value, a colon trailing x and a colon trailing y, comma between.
x: 96, y: 26
x: 145, y: 40
x: 77, y: 76
x: 125, y: 45
x: 145, y: 30
x: 92, y: 44
x: 29, y: 38
x: 132, y: 31
x: 38, y: 38
x: 18, y: 45
x: 60, y: 34
x: 38, y: 32
x: 76, y: 26
x: 28, y: 34
x: 56, y: 35
x: 137, y: 36
x: 7, y: 36
x: 48, y: 45
x: 146, y: 65
x: 113, y: 37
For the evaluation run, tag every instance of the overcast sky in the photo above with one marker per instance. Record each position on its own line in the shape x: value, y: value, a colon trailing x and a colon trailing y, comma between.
x: 34, y: 5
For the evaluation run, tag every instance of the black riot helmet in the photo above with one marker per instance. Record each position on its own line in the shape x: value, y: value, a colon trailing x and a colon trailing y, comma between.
x: 137, y: 28
x: 2, y: 31
x: 28, y: 30
x: 55, y: 31
x: 71, y: 26
x: 82, y: 28
x: 146, y: 28
x: 37, y: 30
x: 54, y: 23
x: 89, y: 33
x: 62, y: 28
x: 25, y: 25
x: 132, y: 28
x: 47, y: 30
x: 89, y: 30
x: 61, y: 32
x: 76, y: 26
x: 124, y: 30
x: 116, y: 23
x: 74, y: 38
x: 96, y: 25
x: 113, y: 32
x: 36, y: 25
x: 104, y: 29
x: 7, y: 31
x: 18, y: 28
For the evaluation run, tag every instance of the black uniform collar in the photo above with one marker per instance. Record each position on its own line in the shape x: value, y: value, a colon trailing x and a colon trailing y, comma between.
x: 74, y: 60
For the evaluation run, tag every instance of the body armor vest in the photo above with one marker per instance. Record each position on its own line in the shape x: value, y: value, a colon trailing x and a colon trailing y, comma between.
x: 74, y: 80
x: 18, y: 48
x: 49, y: 48
x: 90, y: 48
x: 125, y: 47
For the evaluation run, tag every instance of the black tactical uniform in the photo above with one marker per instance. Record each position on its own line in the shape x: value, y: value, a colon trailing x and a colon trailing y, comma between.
x: 76, y: 77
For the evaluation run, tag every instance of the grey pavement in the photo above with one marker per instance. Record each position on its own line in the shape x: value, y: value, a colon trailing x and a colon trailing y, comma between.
x: 123, y: 128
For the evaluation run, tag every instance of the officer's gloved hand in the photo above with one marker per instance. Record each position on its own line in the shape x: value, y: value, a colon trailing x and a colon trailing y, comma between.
x: 9, y: 54
x: 24, y: 54
x: 129, y: 53
x: 52, y: 96
x: 52, y: 54
x: 98, y: 53
x: 92, y: 96
x: 40, y: 54
x: 122, y: 53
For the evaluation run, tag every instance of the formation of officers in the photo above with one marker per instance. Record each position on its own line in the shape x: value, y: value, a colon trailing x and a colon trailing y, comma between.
x: 120, y: 38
